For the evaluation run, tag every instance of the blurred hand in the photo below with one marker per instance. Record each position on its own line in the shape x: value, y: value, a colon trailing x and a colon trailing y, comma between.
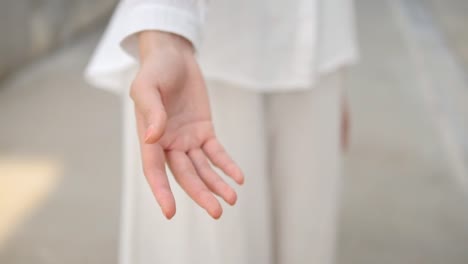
x: 174, y: 125
x: 345, y: 124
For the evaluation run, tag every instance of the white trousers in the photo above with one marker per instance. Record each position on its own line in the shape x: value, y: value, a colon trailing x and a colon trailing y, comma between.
x: 287, y: 144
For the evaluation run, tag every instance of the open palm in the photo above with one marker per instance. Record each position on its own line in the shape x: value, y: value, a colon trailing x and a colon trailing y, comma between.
x: 175, y: 126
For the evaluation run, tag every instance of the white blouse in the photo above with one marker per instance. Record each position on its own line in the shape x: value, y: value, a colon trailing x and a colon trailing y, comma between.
x: 265, y: 45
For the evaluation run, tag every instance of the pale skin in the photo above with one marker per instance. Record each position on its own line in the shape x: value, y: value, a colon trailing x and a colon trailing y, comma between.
x: 175, y: 127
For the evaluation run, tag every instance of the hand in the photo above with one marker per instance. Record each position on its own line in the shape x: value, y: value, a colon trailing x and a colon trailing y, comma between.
x: 174, y: 126
x: 345, y: 124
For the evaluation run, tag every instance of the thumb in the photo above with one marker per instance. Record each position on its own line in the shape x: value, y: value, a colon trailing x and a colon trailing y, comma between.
x: 149, y: 104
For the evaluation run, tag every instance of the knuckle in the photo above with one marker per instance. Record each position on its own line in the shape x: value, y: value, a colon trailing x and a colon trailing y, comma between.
x: 133, y: 91
x: 135, y: 88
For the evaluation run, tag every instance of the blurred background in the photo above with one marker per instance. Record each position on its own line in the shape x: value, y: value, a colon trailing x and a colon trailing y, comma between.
x: 405, y: 191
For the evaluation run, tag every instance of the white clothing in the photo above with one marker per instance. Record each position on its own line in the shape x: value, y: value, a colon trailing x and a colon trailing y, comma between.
x: 288, y: 147
x: 286, y: 143
x: 265, y: 45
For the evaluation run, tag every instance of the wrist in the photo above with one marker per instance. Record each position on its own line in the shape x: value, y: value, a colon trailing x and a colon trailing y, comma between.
x: 151, y: 41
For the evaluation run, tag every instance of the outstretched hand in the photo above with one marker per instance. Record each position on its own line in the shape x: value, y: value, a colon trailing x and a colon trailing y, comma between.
x: 175, y: 127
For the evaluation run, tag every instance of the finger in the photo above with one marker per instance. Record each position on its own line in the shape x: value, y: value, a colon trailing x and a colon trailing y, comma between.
x: 148, y: 102
x: 345, y: 124
x: 154, y: 169
x: 186, y: 176
x: 345, y: 133
x: 212, y: 180
x: 219, y: 157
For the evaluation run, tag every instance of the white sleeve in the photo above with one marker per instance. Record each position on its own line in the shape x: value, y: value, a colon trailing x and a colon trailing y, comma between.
x: 117, y: 51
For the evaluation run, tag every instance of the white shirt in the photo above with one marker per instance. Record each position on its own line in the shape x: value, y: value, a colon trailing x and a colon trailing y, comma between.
x: 265, y: 45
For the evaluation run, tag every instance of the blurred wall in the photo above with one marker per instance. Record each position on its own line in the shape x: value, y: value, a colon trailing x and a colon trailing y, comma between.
x: 31, y: 28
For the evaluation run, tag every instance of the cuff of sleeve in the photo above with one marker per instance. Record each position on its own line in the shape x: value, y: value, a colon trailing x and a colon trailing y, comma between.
x: 162, y: 18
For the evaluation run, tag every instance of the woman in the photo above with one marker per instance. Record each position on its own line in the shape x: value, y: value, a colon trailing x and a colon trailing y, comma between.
x: 274, y: 77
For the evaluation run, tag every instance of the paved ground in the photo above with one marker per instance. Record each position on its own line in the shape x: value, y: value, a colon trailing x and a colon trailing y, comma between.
x: 403, y: 200
x: 404, y: 197
x: 49, y: 114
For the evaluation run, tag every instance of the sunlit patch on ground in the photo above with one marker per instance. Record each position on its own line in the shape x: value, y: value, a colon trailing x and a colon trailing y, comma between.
x: 25, y: 182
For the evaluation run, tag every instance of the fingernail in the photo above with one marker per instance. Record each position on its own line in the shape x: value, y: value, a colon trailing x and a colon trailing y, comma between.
x: 168, y: 216
x: 149, y: 131
x: 216, y: 212
x: 232, y: 197
x: 240, y: 178
x: 241, y: 181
